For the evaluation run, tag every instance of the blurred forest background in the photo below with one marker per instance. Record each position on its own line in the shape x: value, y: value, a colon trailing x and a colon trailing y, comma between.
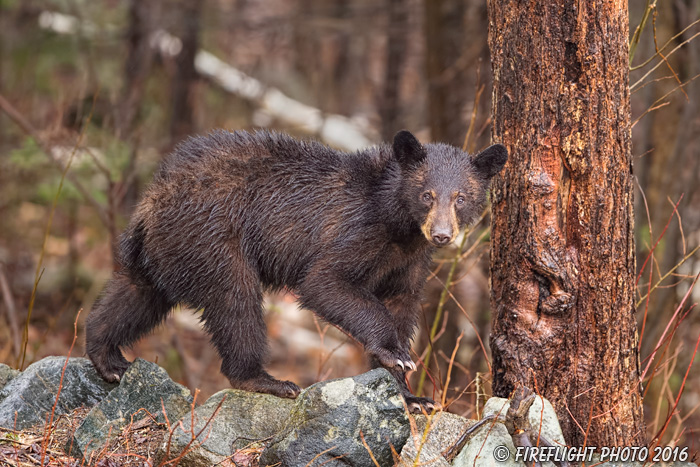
x: 110, y: 86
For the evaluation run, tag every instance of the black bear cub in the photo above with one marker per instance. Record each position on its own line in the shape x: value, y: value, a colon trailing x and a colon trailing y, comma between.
x: 230, y: 215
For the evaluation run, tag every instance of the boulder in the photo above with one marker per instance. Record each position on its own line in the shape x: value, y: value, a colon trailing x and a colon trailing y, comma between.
x: 32, y: 394
x: 244, y: 419
x: 7, y: 374
x: 145, y: 385
x: 492, y: 445
x: 433, y: 435
x: 424, y: 455
x: 330, y: 419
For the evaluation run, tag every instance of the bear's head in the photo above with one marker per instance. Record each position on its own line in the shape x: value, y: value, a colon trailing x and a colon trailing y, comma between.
x: 444, y: 188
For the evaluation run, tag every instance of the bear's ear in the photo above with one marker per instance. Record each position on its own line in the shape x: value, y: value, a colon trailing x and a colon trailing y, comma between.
x: 407, y: 149
x: 491, y: 160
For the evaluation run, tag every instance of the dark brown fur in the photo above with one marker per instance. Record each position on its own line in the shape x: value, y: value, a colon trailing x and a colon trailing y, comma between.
x: 232, y: 214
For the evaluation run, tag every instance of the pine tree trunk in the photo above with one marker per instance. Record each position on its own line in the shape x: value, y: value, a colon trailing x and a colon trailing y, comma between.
x: 143, y: 18
x: 562, y: 254
x: 445, y: 69
x: 396, y: 41
x: 183, y: 85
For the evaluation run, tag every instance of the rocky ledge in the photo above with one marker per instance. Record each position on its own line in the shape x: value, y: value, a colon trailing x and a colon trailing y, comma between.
x: 358, y: 421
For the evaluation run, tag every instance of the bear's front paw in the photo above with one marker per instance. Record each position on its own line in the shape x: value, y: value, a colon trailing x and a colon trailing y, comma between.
x: 421, y: 404
x: 393, y: 358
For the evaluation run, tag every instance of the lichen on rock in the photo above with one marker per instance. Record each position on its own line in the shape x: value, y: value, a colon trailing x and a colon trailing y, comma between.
x: 144, y: 389
x: 31, y: 395
x: 329, y: 421
x: 244, y: 419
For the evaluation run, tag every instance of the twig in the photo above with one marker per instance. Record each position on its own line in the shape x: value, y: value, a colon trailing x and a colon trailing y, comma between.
x: 449, y: 369
x: 640, y: 27
x: 194, y: 436
x: 639, y: 275
x: 479, y: 90
x: 656, y: 106
x: 47, y: 427
x: 441, y: 305
x: 640, y: 80
x: 661, y: 432
x: 685, y: 258
x: 319, y: 455
x: 371, y: 455
x: 466, y: 435
x: 27, y: 127
x: 680, y: 306
x: 665, y: 45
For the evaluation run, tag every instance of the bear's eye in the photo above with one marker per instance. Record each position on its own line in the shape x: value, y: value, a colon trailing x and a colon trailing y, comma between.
x: 427, y: 197
x: 460, y: 200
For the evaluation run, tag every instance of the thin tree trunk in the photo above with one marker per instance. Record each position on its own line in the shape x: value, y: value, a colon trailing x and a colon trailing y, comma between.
x: 390, y: 106
x: 562, y: 254
x: 444, y: 36
x: 183, y: 88
x: 142, y: 22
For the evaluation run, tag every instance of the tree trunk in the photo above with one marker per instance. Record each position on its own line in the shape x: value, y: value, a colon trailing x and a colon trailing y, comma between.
x: 390, y: 105
x: 445, y: 68
x: 562, y: 251
x: 183, y: 87
x: 142, y: 22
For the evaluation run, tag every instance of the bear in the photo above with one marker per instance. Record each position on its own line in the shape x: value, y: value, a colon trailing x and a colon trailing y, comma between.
x: 233, y: 214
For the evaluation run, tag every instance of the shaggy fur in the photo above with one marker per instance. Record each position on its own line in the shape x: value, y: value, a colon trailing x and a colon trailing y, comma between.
x: 230, y: 215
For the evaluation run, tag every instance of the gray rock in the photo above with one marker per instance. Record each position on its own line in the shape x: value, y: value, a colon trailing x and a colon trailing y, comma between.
x: 427, y: 455
x: 493, y: 440
x: 547, y: 417
x: 32, y: 393
x: 325, y: 424
x: 444, y: 430
x: 143, y: 386
x: 243, y: 418
x: 433, y: 436
x: 7, y: 374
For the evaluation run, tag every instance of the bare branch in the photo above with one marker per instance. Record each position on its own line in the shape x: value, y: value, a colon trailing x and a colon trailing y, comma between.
x: 27, y: 128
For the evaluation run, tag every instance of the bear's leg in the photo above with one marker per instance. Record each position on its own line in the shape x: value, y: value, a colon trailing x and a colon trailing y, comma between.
x: 125, y: 312
x: 357, y: 312
x: 405, y: 309
x: 234, y: 320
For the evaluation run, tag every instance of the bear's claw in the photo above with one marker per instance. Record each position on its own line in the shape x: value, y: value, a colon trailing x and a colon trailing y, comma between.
x: 407, y: 365
x: 422, y: 404
x: 392, y: 359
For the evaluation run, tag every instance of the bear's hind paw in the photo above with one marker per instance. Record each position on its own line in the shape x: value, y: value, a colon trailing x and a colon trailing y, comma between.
x: 110, y: 365
x: 268, y: 385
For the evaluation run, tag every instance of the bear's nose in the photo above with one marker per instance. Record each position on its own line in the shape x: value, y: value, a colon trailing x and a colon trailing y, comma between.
x: 441, y: 239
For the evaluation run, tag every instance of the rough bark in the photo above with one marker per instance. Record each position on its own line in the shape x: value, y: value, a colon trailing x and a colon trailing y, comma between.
x: 562, y: 251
